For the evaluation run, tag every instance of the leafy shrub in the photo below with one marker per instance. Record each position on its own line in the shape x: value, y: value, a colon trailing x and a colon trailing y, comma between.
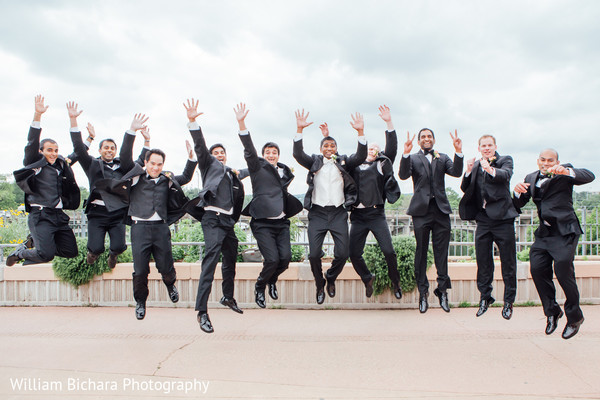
x: 13, y: 230
x: 77, y: 271
x: 187, y: 231
x: 405, y: 247
x: 523, y: 255
x: 297, y: 253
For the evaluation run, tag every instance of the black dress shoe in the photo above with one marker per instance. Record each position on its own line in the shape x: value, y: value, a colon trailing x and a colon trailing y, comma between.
x: 483, y: 306
x: 397, y: 291
x: 173, y: 293
x: 320, y: 295
x: 331, y: 289
x: 273, y: 291
x: 507, y: 310
x: 91, y: 257
x: 572, y: 329
x: 423, y: 304
x: 15, y: 256
x: 369, y: 286
x: 259, y: 298
x: 140, y: 310
x: 112, y: 261
x: 29, y: 241
x: 204, y: 322
x: 231, y: 303
x: 552, y: 322
x: 443, y: 296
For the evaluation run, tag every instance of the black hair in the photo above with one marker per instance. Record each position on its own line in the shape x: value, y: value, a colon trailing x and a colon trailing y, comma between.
x: 270, y: 144
x: 425, y: 129
x: 155, y: 151
x: 328, y: 138
x: 217, y: 145
x: 107, y: 140
x: 44, y: 141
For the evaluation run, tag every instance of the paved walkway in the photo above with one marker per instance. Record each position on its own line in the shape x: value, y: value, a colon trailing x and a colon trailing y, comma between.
x: 103, y: 352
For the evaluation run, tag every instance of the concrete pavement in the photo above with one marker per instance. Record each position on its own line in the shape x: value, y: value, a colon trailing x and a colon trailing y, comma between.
x: 104, y: 352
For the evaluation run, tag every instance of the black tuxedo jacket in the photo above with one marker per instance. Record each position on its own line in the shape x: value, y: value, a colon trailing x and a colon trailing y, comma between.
x: 269, y: 191
x: 423, y: 173
x: 391, y: 189
x: 115, y: 192
x: 213, y: 172
x: 556, y: 203
x: 94, y: 167
x: 26, y: 177
x: 344, y: 164
x: 496, y: 191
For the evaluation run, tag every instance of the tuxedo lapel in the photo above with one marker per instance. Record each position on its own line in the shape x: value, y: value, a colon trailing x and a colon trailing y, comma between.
x: 425, y: 163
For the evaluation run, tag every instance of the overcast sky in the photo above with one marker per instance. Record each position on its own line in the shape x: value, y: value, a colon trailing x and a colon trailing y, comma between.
x: 527, y: 72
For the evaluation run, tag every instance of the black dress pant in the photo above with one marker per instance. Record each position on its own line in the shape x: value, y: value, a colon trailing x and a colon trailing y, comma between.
x: 150, y: 238
x: 436, y: 223
x: 101, y: 222
x: 273, y: 239
x: 503, y: 233
x: 320, y: 221
x: 363, y: 221
x: 561, y: 251
x: 51, y: 234
x: 219, y: 238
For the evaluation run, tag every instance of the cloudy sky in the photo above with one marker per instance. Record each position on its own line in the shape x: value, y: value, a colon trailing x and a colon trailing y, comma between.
x: 525, y: 71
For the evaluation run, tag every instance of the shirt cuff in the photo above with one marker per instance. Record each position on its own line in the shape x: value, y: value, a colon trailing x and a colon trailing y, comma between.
x: 362, y: 140
x: 193, y: 126
x: 405, y: 155
x: 571, y: 172
x: 244, y: 132
x: 516, y: 194
x: 461, y: 155
x: 74, y: 129
x: 130, y: 132
x: 493, y: 173
x: 36, y: 124
x: 467, y: 174
x: 298, y: 137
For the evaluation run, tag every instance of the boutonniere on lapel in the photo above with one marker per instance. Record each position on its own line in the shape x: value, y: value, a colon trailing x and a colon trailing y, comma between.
x: 169, y: 174
x: 235, y: 171
x: 68, y: 160
x: 492, y: 160
x: 548, y: 174
x: 334, y: 157
x: 292, y: 170
x: 436, y: 155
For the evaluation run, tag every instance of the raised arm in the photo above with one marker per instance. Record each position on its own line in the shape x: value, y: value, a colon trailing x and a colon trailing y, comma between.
x: 80, y: 150
x: 250, y: 154
x: 301, y: 157
x: 354, y: 160
x: 204, y: 157
x: 391, y: 139
x: 142, y: 157
x: 32, y: 148
x: 190, y: 166
x: 126, y: 154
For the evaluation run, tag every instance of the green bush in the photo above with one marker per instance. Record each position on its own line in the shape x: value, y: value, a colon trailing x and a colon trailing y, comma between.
x: 13, y: 230
x: 187, y: 231
x: 523, y: 255
x: 297, y: 253
x: 77, y: 271
x: 405, y: 247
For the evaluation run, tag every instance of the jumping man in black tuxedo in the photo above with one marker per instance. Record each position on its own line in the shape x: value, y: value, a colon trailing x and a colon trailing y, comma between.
x: 376, y: 184
x: 430, y: 209
x: 270, y: 208
x: 551, y: 189
x: 100, y: 220
x: 487, y: 200
x: 331, y: 190
x: 221, y: 197
x: 49, y: 186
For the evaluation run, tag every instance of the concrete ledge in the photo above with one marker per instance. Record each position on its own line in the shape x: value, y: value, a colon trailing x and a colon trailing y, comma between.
x: 37, y: 286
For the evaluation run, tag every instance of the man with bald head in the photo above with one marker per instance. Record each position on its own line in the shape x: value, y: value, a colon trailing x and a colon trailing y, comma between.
x: 551, y: 188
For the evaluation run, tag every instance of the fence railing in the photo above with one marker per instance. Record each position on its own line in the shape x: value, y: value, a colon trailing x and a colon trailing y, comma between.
x: 462, y: 242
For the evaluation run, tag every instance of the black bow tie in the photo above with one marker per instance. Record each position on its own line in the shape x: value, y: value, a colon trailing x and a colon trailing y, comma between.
x: 430, y: 151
